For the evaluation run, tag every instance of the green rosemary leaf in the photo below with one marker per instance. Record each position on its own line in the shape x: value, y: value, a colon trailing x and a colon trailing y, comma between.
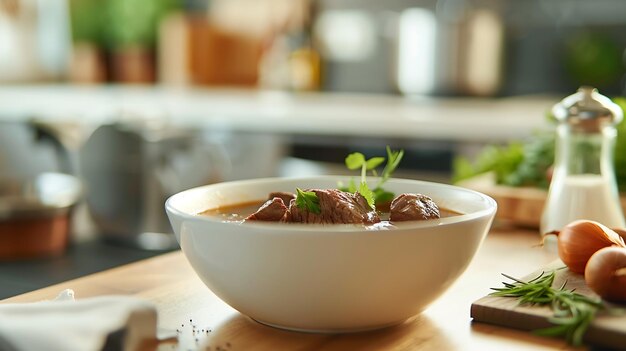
x: 556, y: 330
x: 572, y: 312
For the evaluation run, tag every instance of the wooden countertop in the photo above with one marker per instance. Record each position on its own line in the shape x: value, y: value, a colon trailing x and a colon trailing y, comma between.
x: 169, y: 282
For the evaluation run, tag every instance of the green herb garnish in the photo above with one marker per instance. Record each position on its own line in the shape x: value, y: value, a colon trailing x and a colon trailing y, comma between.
x: 308, y: 200
x: 394, y: 158
x: 357, y: 160
x: 381, y: 195
x: 351, y: 188
x: 378, y: 195
x: 573, y: 312
x: 367, y: 194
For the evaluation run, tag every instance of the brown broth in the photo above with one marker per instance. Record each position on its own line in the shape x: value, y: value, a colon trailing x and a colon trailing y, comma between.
x: 234, y: 213
x: 238, y: 212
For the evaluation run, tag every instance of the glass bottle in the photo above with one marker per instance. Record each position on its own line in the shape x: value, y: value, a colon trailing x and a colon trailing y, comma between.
x: 304, y: 59
x: 583, y: 184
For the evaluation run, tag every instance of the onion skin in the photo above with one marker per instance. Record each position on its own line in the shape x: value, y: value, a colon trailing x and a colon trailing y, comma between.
x: 621, y: 232
x: 605, y: 273
x: 579, y: 240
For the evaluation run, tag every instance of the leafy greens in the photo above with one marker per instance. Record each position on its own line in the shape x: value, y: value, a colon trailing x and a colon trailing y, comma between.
x: 529, y: 163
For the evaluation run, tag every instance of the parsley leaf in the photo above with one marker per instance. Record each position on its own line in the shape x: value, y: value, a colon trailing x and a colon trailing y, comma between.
x: 308, y: 200
x: 350, y: 188
x: 374, y: 162
x: 367, y: 194
x: 381, y: 195
x: 394, y: 158
x: 357, y: 160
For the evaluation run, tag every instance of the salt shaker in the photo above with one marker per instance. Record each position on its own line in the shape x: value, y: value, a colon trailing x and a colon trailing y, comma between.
x: 583, y: 183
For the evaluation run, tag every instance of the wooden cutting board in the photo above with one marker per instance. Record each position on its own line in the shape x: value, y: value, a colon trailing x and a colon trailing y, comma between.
x: 607, y: 330
x: 518, y: 205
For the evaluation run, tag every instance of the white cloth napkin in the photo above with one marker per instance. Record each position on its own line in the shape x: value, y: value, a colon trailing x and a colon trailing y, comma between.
x: 63, y: 324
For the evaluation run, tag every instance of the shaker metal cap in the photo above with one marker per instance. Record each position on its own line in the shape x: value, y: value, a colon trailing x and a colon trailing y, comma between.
x: 587, y: 110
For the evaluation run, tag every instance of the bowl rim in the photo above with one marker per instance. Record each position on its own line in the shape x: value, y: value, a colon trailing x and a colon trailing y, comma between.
x: 301, y: 227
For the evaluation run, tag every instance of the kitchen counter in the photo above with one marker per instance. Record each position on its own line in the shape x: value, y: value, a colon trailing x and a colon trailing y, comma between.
x: 329, y: 114
x: 169, y: 282
x: 80, y: 259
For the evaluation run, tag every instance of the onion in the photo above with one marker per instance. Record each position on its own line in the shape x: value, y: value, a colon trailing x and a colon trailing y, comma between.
x: 621, y: 232
x: 605, y: 273
x: 581, y: 239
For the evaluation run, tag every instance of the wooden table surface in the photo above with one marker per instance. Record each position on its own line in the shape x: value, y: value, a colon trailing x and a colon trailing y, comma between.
x: 169, y: 282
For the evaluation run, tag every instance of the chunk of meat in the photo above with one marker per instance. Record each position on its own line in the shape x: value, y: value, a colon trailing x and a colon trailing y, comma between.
x: 411, y: 207
x: 283, y: 195
x: 271, y: 211
x: 337, y: 207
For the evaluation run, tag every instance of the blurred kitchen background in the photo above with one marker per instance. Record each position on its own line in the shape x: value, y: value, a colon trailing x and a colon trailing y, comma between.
x: 440, y: 48
x: 139, y: 99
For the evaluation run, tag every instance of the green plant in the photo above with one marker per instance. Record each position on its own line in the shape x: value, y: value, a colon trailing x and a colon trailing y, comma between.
x: 620, y: 148
x: 515, y: 164
x: 134, y: 22
x: 86, y: 21
x: 529, y: 163
x: 115, y: 24
x: 379, y: 195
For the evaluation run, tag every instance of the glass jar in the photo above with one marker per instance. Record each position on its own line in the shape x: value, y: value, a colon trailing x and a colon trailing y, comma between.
x: 583, y: 184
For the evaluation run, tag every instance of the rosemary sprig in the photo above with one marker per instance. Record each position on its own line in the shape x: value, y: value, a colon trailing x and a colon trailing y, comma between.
x: 573, y: 312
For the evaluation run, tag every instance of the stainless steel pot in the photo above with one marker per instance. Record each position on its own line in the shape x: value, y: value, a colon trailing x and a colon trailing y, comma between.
x: 130, y: 169
x: 451, y: 48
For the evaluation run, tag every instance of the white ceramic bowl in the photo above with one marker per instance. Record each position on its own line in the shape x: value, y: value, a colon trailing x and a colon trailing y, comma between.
x: 328, y: 278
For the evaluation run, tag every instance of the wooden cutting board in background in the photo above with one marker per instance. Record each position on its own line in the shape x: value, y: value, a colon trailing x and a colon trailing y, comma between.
x: 517, y: 205
x: 607, y: 330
